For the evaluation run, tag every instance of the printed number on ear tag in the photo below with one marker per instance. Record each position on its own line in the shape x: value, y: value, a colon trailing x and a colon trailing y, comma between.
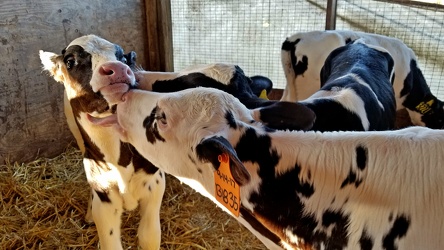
x: 227, y: 190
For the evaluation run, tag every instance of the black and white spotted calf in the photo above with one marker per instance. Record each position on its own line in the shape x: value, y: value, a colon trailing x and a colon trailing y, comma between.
x: 357, y: 94
x: 119, y: 176
x: 303, y: 55
x: 298, y: 190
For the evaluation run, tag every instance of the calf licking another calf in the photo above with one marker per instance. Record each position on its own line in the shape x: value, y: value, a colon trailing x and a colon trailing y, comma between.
x: 119, y: 177
x: 298, y: 190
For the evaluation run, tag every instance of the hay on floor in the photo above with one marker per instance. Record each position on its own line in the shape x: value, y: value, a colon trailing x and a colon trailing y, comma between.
x: 43, y: 205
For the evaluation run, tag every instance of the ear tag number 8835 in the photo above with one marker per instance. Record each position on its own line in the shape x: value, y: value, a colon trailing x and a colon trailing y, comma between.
x: 227, y: 190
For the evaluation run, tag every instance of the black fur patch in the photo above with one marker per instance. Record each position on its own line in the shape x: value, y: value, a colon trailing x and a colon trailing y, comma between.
x: 299, y: 67
x: 361, y: 157
x: 332, y: 116
x: 103, y: 196
x: 351, y: 179
x: 258, y: 226
x: 288, y: 46
x: 91, y: 150
x: 365, y: 242
x: 128, y: 154
x: 78, y: 63
x: 230, y: 120
x: 340, y: 229
x: 399, y: 230
x: 152, y: 132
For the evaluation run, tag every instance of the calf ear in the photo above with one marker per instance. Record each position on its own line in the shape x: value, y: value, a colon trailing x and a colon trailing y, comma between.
x: 50, y: 64
x: 287, y: 115
x: 48, y: 60
x: 209, y: 150
x: 260, y: 83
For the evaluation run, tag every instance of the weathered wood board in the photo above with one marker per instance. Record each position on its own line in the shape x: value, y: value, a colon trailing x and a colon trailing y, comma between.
x: 32, y: 122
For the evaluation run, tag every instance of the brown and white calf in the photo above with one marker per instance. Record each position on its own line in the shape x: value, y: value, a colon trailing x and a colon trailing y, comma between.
x: 120, y: 178
x: 303, y: 55
x: 298, y: 190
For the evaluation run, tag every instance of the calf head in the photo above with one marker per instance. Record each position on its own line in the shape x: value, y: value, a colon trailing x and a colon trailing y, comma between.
x: 84, y: 67
x: 174, y: 132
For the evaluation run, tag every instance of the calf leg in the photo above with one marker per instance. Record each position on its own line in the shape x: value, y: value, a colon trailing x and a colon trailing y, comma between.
x: 107, y: 209
x: 149, y: 232
x: 107, y: 203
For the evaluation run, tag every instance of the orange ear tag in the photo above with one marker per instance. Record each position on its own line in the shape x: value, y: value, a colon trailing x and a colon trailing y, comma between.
x: 227, y: 190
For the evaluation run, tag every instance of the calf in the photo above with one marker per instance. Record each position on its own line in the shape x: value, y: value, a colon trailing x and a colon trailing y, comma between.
x: 304, y: 53
x: 357, y: 94
x: 120, y: 178
x: 298, y: 190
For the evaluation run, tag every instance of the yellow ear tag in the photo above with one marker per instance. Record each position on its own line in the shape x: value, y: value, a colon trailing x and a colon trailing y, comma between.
x: 227, y: 190
x: 263, y: 94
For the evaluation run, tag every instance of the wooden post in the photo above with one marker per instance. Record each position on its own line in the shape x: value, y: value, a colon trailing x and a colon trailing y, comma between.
x: 330, y: 22
x: 159, y: 35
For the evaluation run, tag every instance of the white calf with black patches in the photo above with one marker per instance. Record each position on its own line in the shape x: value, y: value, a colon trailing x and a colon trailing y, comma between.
x: 304, y: 53
x: 120, y: 178
x: 357, y: 94
x: 298, y: 190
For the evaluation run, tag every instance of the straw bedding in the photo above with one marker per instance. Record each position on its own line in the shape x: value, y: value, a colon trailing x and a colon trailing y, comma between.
x: 43, y: 205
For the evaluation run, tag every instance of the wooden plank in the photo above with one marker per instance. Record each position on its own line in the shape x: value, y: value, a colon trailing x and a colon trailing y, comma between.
x: 32, y: 122
x: 159, y: 35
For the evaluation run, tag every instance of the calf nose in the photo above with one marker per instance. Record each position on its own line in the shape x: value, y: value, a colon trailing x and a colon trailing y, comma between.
x: 116, y: 72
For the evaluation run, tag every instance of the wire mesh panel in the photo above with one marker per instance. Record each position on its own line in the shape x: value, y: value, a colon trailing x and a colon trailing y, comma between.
x: 420, y: 26
x: 250, y: 32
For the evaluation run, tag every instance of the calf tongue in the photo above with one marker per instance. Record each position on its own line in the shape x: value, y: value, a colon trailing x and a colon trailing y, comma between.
x: 105, y: 121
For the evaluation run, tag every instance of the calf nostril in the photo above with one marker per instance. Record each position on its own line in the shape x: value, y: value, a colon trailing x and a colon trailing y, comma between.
x: 106, y: 71
x: 129, y: 72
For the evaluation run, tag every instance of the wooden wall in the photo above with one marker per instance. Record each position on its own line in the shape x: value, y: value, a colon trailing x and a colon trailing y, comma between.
x: 32, y: 122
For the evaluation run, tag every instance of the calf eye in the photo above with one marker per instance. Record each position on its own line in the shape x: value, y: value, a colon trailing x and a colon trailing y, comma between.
x: 70, y: 62
x: 161, y: 119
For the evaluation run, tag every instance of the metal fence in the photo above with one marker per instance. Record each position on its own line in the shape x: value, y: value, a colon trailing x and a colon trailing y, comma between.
x: 250, y: 32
